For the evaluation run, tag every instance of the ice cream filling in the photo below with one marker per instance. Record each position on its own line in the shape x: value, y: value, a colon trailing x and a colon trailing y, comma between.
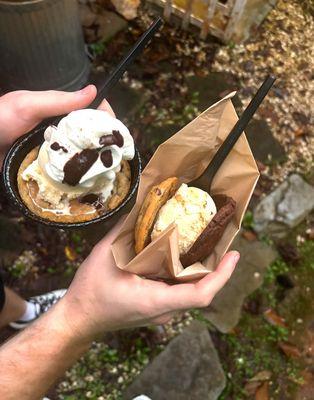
x: 80, y: 157
x: 191, y: 209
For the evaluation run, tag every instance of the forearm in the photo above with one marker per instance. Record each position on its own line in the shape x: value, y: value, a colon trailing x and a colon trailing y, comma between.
x: 32, y: 361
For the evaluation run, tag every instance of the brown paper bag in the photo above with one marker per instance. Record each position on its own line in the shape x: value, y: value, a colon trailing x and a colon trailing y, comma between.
x: 186, y: 155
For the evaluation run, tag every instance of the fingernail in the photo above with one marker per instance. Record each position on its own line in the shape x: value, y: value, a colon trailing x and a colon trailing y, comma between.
x: 85, y: 91
x: 236, y: 257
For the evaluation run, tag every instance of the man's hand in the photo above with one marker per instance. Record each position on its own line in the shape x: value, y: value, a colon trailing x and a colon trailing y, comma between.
x: 100, y: 298
x: 104, y: 298
x: 22, y: 110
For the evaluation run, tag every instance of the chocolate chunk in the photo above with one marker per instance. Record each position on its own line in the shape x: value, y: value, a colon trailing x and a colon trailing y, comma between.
x: 109, y: 140
x: 207, y: 240
x: 106, y: 158
x: 56, y: 146
x: 118, y: 138
x: 92, y: 199
x: 78, y: 165
x: 89, y: 198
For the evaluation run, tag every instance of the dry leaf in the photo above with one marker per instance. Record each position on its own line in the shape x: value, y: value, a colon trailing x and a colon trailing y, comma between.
x: 300, y: 132
x: 262, y: 392
x: 250, y: 388
x: 261, y: 376
x: 70, y: 253
x: 249, y: 235
x: 274, y: 319
x: 261, y: 167
x: 289, y: 349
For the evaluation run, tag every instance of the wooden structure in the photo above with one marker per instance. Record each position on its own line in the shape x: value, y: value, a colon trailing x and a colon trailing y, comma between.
x: 224, y: 19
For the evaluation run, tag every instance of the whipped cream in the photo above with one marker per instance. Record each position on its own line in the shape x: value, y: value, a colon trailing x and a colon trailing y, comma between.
x: 81, y: 155
x: 191, y: 209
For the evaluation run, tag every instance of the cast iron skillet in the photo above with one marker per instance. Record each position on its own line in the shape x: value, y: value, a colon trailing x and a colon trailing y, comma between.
x: 11, y: 165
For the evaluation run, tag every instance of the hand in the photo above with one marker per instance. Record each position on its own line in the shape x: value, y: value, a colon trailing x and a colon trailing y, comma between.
x: 104, y: 298
x: 22, y: 110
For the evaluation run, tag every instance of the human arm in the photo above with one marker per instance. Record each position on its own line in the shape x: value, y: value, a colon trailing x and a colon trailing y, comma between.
x: 101, y: 298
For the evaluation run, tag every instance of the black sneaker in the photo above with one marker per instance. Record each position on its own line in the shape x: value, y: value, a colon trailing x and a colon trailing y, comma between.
x: 42, y: 304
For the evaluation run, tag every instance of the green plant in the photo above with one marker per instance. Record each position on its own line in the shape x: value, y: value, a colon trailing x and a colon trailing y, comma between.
x: 98, y: 48
x: 248, y: 220
x: 276, y: 268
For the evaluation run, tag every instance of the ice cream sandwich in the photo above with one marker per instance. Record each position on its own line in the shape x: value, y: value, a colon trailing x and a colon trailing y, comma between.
x: 200, y: 219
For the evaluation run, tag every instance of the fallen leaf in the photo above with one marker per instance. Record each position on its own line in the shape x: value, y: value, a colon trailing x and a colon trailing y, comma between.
x: 250, y: 236
x: 261, y: 167
x: 70, y: 253
x: 289, y: 349
x: 300, y: 132
x: 264, y: 375
x: 250, y: 388
x: 307, y: 376
x: 273, y: 318
x: 262, y: 392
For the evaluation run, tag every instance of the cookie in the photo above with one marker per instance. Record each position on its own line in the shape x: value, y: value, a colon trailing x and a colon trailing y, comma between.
x: 155, y: 199
x: 121, y: 186
x: 207, y: 240
x: 80, y: 212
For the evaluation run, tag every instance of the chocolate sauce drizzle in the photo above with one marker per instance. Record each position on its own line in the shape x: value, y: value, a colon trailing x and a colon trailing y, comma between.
x: 56, y: 146
x: 81, y: 162
x: 78, y: 165
x: 115, y: 139
x: 106, y: 158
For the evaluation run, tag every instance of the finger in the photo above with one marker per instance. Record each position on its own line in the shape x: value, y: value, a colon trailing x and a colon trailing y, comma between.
x: 162, y: 319
x: 105, y: 106
x: 189, y: 295
x: 210, y: 285
x: 43, y: 104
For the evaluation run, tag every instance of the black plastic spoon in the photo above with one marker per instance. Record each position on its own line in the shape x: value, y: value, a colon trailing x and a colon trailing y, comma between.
x: 205, y: 180
x: 117, y: 73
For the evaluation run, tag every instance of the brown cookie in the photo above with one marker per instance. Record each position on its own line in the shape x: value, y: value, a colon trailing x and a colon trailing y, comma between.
x: 79, y: 212
x: 211, y: 235
x: 121, y: 186
x: 155, y: 199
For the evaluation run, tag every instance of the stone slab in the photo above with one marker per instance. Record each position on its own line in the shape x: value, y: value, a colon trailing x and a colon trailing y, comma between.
x: 188, y: 369
x: 225, y: 310
x: 285, y: 207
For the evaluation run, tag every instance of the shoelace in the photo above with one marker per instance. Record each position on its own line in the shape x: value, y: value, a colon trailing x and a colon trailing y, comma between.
x: 44, y: 303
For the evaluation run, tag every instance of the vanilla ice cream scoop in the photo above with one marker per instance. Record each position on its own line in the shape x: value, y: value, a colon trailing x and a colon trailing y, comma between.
x: 191, y: 209
x: 81, y: 155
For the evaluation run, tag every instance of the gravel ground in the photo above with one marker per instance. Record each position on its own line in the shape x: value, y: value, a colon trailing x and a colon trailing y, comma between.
x: 283, y: 47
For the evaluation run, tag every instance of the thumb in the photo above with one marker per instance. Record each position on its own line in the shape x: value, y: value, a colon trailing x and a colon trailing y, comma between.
x: 200, y: 294
x: 52, y: 102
